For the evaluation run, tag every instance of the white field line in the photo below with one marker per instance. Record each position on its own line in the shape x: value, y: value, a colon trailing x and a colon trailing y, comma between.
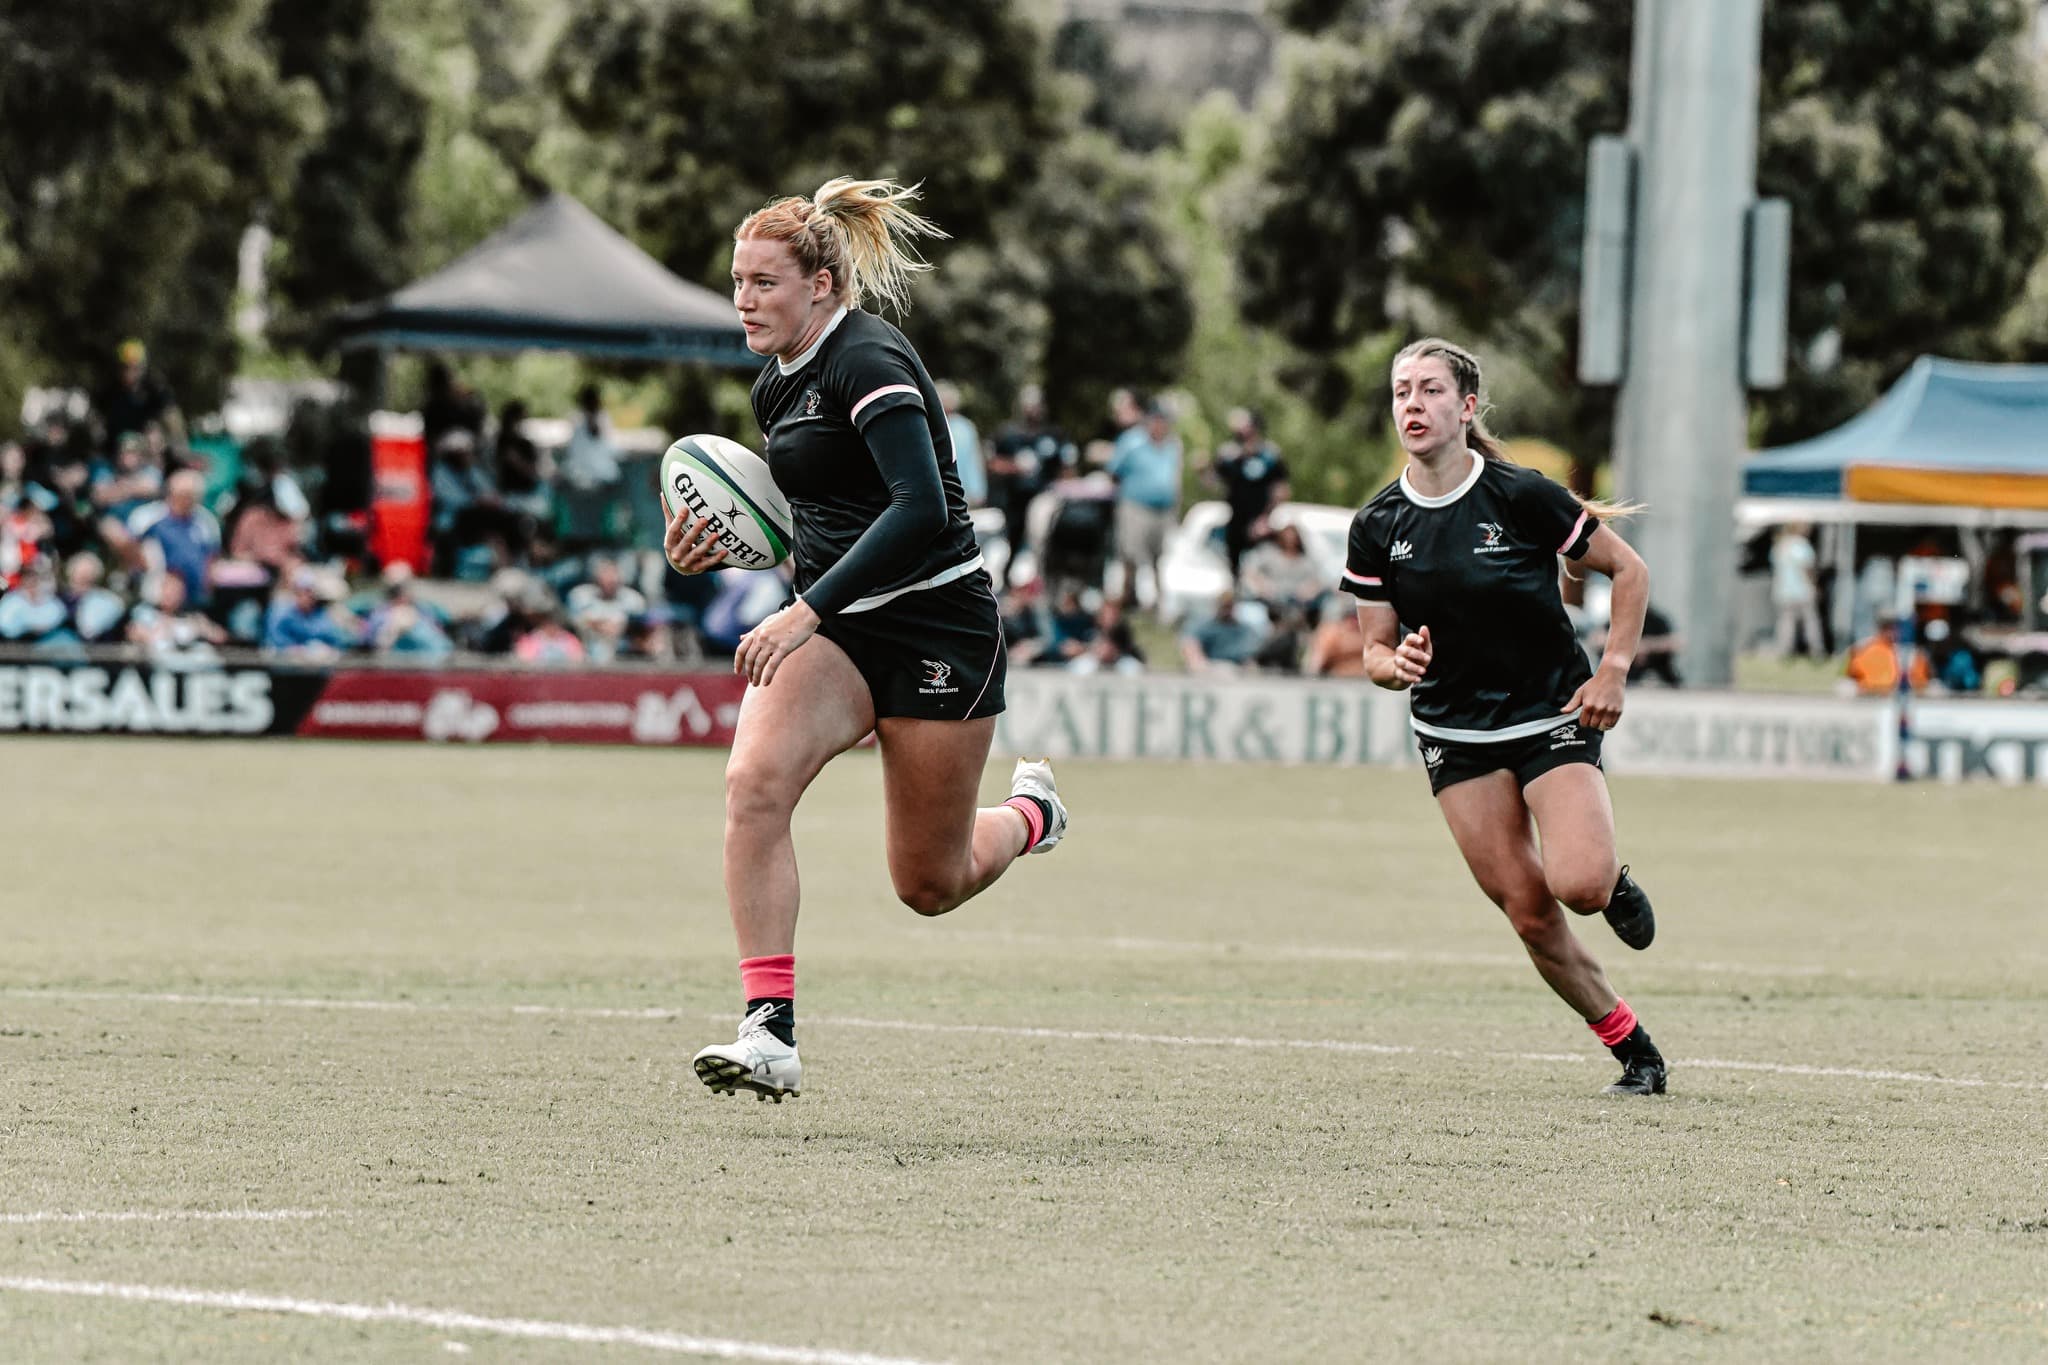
x: 169, y: 1216
x: 679, y: 1343
x: 1314, y: 952
x: 1338, y: 1045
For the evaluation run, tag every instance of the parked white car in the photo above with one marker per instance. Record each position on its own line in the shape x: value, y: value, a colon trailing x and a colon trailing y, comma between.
x: 1195, y: 570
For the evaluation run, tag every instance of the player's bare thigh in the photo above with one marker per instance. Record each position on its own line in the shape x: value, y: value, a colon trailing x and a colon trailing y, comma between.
x: 1575, y: 820
x: 818, y: 706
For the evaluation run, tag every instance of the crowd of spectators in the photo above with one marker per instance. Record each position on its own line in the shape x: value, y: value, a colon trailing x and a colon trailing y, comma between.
x: 115, y: 531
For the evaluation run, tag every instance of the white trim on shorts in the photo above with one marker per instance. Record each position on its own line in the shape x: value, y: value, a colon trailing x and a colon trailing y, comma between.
x: 1522, y: 731
x: 937, y: 580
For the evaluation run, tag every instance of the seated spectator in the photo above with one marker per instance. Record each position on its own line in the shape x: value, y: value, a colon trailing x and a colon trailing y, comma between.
x: 510, y: 612
x: 301, y: 621
x: 93, y: 613
x: 1023, y: 632
x: 1114, y: 649
x: 1874, y: 664
x: 123, y: 486
x: 549, y: 644
x: 467, y: 510
x: 399, y: 624
x: 170, y: 631
x: 1953, y: 663
x: 33, y: 613
x: 1072, y: 630
x: 178, y: 536
x: 1224, y: 643
x: 17, y: 489
x: 605, y: 609
x: 24, y: 539
x: 1337, y: 649
x: 1279, y: 573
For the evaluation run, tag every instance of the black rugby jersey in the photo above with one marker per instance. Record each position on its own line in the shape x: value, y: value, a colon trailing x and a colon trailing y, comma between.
x: 1478, y: 566
x: 813, y: 416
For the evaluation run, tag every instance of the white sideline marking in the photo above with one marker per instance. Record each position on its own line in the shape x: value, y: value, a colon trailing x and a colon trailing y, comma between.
x: 235, y: 1301
x: 1005, y: 1031
x: 1312, y: 952
x: 169, y: 1216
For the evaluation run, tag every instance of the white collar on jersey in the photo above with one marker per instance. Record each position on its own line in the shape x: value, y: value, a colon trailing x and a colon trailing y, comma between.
x: 811, y: 351
x: 1445, y: 500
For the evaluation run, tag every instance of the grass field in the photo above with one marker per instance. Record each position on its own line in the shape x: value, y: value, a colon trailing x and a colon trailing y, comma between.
x: 381, y: 1054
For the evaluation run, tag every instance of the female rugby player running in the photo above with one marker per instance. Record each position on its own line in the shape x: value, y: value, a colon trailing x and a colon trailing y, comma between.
x: 895, y: 628
x: 1455, y: 568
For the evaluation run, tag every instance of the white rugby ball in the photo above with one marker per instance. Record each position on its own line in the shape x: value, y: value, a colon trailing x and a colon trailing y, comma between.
x: 709, y: 476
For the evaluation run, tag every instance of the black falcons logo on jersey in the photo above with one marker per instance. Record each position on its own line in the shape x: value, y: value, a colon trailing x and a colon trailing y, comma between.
x: 812, y: 398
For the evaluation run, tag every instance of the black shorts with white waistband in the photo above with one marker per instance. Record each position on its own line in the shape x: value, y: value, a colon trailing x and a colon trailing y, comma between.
x: 1451, y: 761
x: 934, y: 654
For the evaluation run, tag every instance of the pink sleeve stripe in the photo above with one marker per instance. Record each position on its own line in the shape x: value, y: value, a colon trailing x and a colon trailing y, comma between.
x: 1361, y: 578
x: 882, y: 392
x: 1577, y: 527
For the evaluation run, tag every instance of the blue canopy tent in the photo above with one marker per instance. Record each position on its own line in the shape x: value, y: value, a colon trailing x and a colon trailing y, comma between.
x: 1949, y: 434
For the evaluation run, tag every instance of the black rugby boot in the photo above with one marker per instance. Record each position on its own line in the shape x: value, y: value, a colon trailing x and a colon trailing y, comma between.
x: 1642, y: 1066
x: 1629, y: 915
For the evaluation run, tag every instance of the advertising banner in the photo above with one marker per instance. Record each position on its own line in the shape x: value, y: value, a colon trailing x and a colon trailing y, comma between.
x: 1736, y: 735
x: 1963, y: 738
x: 512, y: 707
x: 148, y: 699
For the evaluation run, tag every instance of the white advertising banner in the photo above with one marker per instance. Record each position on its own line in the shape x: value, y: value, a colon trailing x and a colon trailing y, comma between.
x: 1962, y: 738
x: 1294, y: 720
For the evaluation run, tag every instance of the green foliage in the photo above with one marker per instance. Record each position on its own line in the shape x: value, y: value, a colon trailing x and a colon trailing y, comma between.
x: 1060, y: 266
x: 1907, y: 135
x: 346, y: 225
x: 137, y: 141
x: 1425, y: 171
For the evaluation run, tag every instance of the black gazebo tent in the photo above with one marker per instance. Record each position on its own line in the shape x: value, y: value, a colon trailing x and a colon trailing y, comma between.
x: 558, y: 278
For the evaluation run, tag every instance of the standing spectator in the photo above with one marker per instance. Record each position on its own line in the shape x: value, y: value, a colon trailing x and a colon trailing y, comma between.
x: 1125, y: 413
x: 178, y: 536
x: 267, y: 474
x: 93, y: 613
x: 1224, y: 643
x: 550, y: 644
x: 1029, y: 453
x: 1253, y: 478
x: 966, y: 446
x: 588, y: 473
x: 1795, y: 591
x: 1073, y: 630
x: 1147, y: 471
x: 467, y: 511
x: 302, y: 622
x: 138, y: 397
x: 605, y: 610
x: 33, y: 614
x: 170, y: 631
x: 451, y: 405
x: 522, y: 481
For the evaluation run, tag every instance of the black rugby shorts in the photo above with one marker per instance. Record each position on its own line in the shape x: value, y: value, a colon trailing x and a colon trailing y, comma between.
x: 935, y: 654
x: 1449, y: 761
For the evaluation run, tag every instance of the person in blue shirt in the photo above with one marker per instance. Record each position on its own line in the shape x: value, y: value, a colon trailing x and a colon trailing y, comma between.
x: 1147, y: 470
x: 301, y: 622
x: 33, y: 614
x: 179, y: 536
x: 966, y: 447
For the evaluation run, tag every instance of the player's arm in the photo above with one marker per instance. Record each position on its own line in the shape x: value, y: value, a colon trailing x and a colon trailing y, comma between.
x: 1599, y: 701
x: 902, y: 446
x: 1392, y: 660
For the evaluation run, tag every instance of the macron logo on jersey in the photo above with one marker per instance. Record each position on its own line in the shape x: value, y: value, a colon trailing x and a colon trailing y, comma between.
x: 1402, y: 550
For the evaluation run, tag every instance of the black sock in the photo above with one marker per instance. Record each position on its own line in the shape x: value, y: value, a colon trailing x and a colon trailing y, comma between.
x: 782, y: 1023
x: 1637, y: 1046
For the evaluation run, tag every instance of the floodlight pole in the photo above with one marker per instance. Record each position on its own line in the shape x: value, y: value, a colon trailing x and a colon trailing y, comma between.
x: 1687, y: 192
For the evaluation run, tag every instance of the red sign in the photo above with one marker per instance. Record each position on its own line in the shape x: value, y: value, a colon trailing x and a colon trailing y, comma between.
x: 398, y: 498
x: 498, y: 707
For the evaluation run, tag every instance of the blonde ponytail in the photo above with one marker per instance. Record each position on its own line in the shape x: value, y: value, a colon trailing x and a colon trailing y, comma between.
x: 862, y: 231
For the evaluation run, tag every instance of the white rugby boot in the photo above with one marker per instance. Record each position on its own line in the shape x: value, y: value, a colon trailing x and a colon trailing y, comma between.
x: 1030, y: 778
x: 756, y: 1060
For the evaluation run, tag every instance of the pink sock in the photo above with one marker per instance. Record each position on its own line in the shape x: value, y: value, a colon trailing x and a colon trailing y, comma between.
x: 768, y: 978
x: 1034, y: 820
x: 1618, y: 1023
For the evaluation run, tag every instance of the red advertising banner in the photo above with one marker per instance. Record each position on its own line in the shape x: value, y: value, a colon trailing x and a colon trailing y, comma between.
x: 514, y: 707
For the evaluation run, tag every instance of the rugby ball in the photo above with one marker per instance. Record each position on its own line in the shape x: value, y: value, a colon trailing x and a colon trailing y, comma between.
x: 709, y: 476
